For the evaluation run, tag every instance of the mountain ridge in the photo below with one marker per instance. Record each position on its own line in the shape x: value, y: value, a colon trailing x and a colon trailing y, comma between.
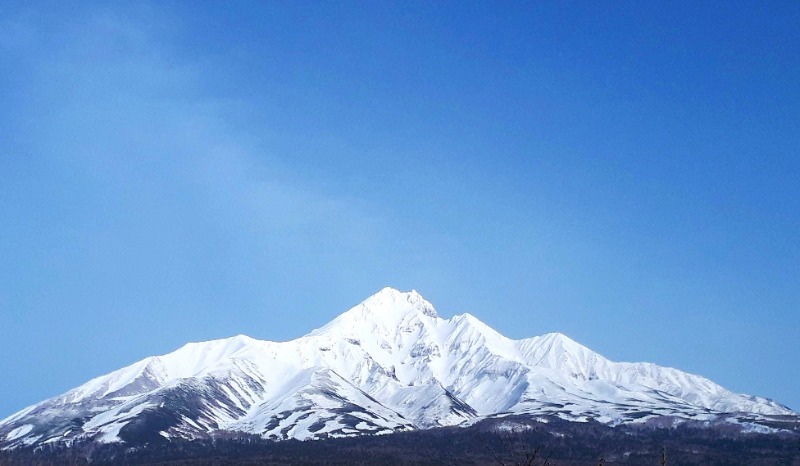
x: 390, y: 363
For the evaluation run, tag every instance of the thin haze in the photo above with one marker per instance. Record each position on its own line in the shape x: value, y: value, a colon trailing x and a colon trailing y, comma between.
x: 624, y: 173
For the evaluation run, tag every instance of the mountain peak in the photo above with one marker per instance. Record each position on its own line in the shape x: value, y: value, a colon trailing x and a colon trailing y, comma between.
x: 386, y: 309
x: 392, y: 300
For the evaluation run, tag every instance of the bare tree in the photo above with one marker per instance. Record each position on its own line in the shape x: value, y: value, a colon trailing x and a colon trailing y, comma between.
x: 516, y: 452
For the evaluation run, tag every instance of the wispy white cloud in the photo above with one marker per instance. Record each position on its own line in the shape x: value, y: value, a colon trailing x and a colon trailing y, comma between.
x: 129, y: 121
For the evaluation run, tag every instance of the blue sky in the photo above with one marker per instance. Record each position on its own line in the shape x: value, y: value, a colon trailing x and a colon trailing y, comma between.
x: 625, y: 173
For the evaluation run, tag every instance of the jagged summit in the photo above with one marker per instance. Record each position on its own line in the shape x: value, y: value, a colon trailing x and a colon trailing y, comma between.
x: 391, y: 300
x: 388, y: 364
x: 387, y: 309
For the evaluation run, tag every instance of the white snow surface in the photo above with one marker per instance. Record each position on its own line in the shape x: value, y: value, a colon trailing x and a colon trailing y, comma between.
x: 388, y: 364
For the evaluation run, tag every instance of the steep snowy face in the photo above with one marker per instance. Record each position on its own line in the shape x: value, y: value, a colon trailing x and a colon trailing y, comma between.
x: 388, y: 364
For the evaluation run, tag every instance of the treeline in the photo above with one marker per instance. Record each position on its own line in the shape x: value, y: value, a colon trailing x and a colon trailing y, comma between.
x: 559, y: 442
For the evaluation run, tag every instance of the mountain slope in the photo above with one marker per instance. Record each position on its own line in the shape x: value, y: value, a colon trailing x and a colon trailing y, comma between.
x: 389, y: 364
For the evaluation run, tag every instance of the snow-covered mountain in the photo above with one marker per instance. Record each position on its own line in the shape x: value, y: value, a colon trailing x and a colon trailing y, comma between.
x: 389, y: 364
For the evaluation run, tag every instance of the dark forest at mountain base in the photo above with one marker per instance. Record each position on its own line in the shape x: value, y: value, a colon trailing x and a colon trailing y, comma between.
x: 562, y: 443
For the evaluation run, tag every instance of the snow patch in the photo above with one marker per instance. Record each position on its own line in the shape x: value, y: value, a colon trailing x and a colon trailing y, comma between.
x: 19, y: 432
